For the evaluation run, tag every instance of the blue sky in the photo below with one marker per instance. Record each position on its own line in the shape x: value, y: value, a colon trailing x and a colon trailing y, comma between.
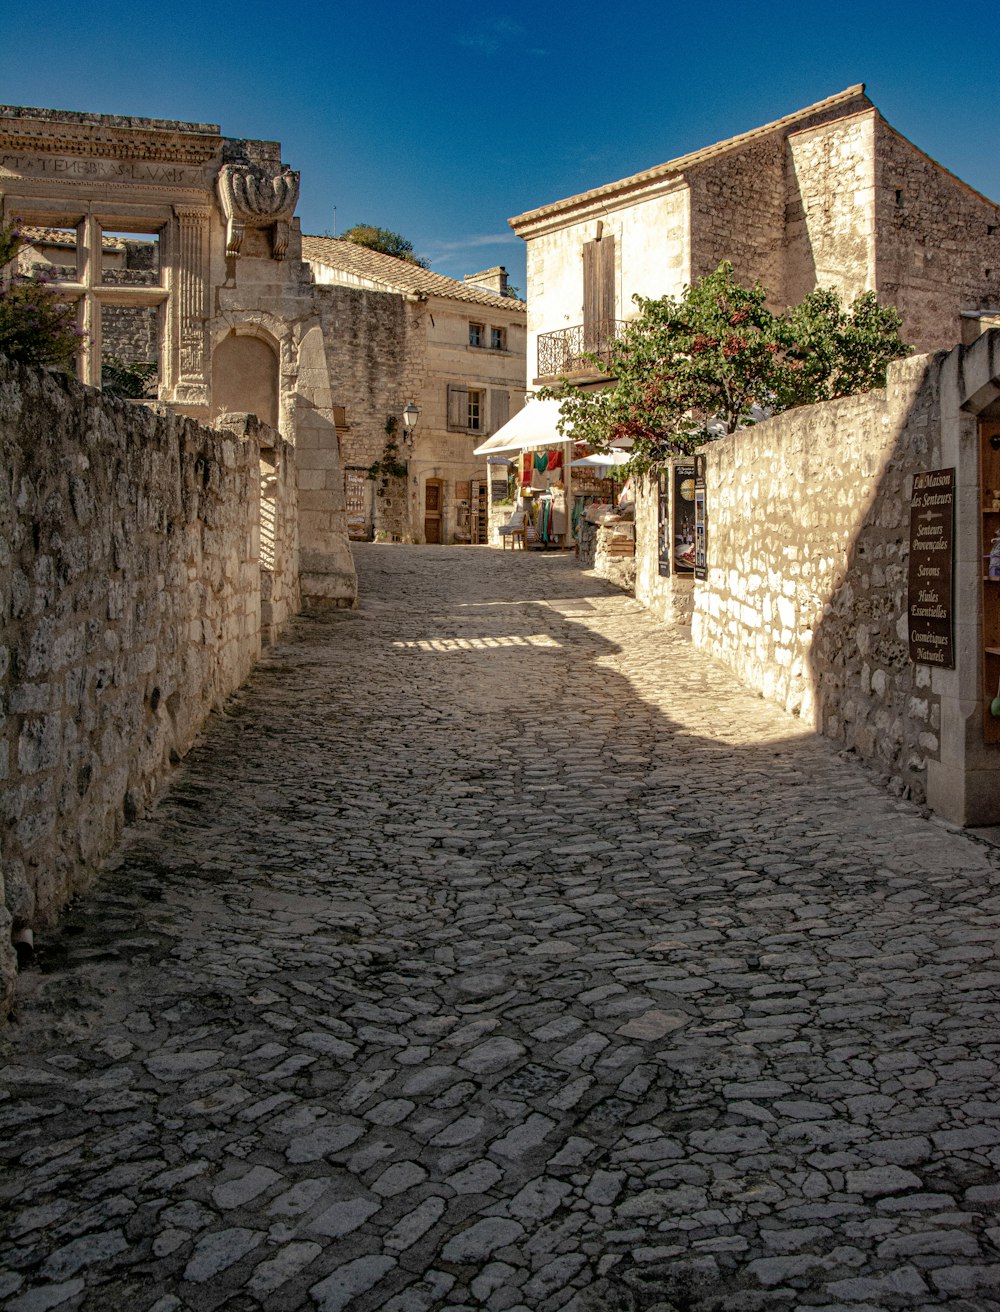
x: 441, y: 121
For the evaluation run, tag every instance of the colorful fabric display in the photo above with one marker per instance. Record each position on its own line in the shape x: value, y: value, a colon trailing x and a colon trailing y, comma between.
x: 542, y: 461
x: 554, y: 460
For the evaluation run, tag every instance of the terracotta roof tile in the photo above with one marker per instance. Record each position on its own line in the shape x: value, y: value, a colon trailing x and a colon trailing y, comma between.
x: 34, y: 235
x: 387, y: 273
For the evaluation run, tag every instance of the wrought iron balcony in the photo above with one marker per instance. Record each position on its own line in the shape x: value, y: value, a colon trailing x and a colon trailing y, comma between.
x: 564, y: 353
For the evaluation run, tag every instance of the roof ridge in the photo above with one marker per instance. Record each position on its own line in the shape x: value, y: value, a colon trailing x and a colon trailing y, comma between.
x: 703, y: 153
x: 397, y: 274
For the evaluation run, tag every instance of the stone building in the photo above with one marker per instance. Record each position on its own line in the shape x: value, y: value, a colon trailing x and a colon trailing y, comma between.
x: 400, y: 335
x: 830, y: 196
x: 184, y: 242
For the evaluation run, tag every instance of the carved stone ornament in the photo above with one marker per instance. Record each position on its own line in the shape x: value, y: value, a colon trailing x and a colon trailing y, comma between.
x: 252, y: 197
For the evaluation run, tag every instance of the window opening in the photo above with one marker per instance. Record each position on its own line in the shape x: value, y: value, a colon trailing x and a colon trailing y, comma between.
x: 475, y: 334
x: 49, y: 254
x: 130, y: 260
x: 475, y: 410
x: 130, y: 350
x: 498, y: 339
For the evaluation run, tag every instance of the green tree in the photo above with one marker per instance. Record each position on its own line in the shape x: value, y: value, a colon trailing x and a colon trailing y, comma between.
x: 386, y: 241
x: 699, y: 366
x: 835, y: 352
x: 37, y: 325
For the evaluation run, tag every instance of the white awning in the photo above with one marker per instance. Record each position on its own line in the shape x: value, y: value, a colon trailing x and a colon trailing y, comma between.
x: 604, y: 461
x: 533, y: 425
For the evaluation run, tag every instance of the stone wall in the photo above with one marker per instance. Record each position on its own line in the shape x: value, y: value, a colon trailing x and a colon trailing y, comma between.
x: 130, y: 606
x: 670, y: 597
x: 280, y: 591
x: 738, y: 214
x: 829, y: 223
x: 372, y: 373
x: 807, y: 567
x: 938, y: 243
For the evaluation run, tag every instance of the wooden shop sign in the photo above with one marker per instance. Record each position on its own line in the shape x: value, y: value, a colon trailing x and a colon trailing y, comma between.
x: 932, y: 561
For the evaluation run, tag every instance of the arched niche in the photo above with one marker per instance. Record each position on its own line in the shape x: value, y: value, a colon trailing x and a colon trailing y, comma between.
x: 245, y: 378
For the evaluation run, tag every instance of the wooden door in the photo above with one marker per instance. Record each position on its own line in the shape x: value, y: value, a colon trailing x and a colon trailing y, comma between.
x: 479, y: 512
x: 433, y: 504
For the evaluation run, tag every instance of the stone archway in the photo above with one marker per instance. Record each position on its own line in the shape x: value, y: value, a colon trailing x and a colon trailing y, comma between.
x: 245, y: 377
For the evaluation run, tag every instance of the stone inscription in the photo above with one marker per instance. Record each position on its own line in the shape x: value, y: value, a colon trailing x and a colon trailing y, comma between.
x: 932, y: 536
x: 110, y: 170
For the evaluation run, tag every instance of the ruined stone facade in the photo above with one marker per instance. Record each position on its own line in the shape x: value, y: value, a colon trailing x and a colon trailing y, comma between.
x: 142, y: 557
x: 831, y: 196
x: 399, y: 334
x: 231, y: 307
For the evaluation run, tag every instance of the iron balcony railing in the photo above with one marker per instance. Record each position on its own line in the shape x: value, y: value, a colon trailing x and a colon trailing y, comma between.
x: 565, y: 352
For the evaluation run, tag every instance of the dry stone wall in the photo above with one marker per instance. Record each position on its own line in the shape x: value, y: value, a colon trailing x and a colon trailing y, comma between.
x: 130, y: 606
x: 808, y: 541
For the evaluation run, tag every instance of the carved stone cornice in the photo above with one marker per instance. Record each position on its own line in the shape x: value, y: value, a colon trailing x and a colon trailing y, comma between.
x: 253, y: 197
x: 130, y: 145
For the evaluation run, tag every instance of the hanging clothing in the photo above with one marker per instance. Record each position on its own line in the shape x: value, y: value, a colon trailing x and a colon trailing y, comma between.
x: 542, y: 461
x: 554, y: 459
x: 545, y: 521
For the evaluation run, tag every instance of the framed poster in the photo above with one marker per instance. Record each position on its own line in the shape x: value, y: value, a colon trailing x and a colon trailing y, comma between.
x: 664, y: 543
x: 684, y: 517
x: 932, y: 563
x: 700, y: 523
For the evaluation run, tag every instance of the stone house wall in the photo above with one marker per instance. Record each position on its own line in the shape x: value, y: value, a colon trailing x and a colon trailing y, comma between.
x: 938, y: 242
x: 130, y: 607
x: 738, y: 214
x: 375, y: 362
x: 808, y: 541
x: 829, y: 222
x: 652, y: 258
x: 386, y: 349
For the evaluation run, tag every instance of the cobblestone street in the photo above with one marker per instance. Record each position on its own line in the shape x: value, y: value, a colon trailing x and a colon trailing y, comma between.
x: 496, y: 950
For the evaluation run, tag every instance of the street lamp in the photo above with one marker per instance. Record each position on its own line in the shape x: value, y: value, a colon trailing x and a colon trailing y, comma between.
x: 411, y: 414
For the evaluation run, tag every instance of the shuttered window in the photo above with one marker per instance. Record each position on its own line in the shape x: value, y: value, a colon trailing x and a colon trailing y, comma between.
x: 598, y: 286
x: 458, y: 408
x: 499, y: 409
x: 467, y: 408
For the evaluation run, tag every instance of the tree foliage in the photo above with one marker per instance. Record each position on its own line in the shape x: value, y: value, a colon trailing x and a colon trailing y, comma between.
x: 716, y: 359
x: 132, y: 380
x: 386, y: 241
x: 37, y: 325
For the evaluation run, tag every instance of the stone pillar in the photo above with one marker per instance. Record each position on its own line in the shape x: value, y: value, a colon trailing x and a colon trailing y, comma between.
x: 88, y: 272
x: 189, y: 311
x: 328, y: 577
x: 964, y: 785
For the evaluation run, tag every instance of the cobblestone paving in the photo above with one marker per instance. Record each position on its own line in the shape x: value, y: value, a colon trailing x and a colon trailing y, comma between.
x: 497, y: 951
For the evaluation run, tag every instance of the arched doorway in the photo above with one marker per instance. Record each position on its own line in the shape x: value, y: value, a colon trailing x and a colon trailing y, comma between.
x: 245, y: 378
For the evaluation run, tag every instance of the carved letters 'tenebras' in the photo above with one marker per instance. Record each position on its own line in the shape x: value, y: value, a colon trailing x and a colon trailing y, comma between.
x: 252, y: 197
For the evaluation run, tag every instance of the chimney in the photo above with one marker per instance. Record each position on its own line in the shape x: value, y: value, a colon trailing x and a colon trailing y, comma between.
x: 491, y: 280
